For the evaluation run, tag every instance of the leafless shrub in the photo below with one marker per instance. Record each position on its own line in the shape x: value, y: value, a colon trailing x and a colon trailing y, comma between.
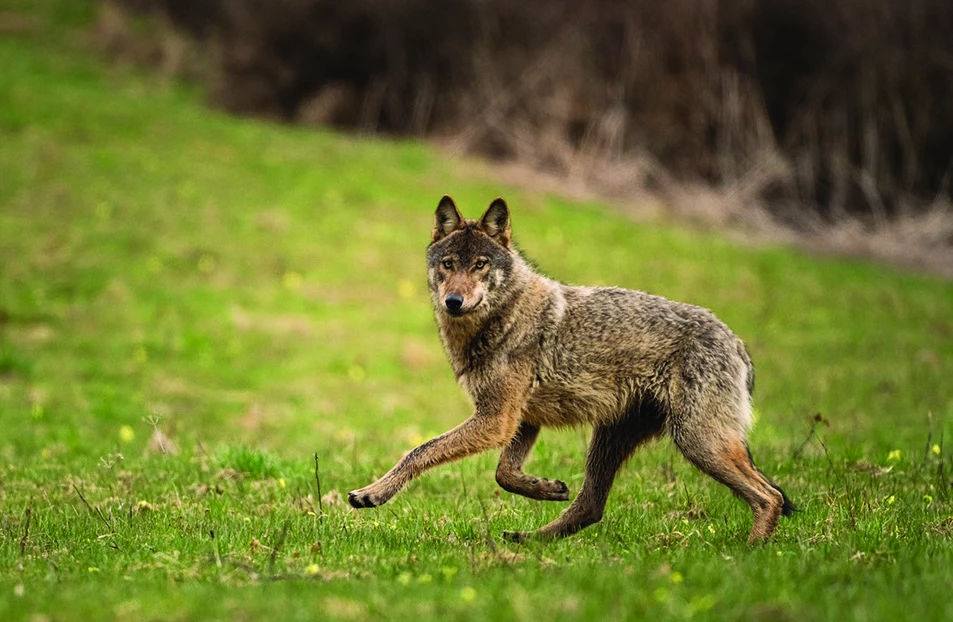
x: 805, y: 114
x: 126, y: 37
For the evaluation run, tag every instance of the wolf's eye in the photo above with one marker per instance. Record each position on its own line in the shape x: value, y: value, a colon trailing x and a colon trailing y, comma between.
x: 448, y: 265
x: 480, y: 265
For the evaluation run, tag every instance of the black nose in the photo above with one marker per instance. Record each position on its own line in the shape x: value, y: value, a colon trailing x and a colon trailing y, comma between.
x: 454, y: 302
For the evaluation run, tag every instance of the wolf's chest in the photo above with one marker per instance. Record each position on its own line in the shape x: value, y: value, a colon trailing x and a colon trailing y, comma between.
x: 582, y: 401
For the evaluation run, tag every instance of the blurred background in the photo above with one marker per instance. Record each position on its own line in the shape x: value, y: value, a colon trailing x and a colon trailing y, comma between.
x: 824, y: 122
x: 214, y: 211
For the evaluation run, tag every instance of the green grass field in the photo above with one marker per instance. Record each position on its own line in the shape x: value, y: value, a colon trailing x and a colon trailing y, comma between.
x: 257, y: 294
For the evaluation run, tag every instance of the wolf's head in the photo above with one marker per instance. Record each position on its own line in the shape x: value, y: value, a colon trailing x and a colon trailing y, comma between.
x: 469, y: 262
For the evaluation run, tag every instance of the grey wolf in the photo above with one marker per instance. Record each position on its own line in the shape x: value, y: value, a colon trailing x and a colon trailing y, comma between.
x: 532, y: 352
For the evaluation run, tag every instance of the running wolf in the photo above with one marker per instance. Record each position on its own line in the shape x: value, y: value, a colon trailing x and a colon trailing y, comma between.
x: 533, y: 352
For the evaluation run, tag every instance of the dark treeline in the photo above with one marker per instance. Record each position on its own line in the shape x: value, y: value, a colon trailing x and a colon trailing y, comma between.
x: 851, y: 101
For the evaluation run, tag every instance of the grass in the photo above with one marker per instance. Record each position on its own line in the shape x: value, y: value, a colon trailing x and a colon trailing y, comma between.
x: 192, y: 306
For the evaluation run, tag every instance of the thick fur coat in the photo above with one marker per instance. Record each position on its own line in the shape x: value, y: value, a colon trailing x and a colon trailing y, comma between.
x: 532, y: 352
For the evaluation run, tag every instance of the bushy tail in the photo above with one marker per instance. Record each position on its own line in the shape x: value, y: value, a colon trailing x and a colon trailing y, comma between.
x: 787, y: 508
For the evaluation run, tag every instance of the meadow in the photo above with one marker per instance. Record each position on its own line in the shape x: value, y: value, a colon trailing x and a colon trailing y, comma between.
x: 212, y: 328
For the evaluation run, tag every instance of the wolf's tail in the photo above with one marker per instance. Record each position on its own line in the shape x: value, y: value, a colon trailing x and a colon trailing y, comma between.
x: 787, y: 508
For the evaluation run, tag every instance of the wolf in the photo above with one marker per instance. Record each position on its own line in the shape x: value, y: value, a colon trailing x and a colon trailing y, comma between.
x: 532, y: 352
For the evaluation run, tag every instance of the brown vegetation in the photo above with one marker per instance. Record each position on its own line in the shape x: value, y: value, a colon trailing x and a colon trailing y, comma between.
x: 807, y: 113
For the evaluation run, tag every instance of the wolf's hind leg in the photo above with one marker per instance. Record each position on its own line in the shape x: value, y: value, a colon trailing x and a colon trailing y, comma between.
x: 610, y: 447
x: 509, y: 472
x: 726, y: 459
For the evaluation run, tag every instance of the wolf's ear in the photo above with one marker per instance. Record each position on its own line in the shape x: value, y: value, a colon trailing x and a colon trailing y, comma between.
x: 447, y: 219
x: 496, y: 222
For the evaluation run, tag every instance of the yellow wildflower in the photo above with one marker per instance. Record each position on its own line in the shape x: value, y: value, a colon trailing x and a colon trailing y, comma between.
x: 126, y: 434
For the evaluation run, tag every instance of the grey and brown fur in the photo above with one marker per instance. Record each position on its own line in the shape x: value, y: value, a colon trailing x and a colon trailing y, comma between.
x: 532, y: 352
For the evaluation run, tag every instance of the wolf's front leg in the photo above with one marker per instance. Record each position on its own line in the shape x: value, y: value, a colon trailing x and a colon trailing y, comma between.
x: 478, y: 433
x: 510, y: 476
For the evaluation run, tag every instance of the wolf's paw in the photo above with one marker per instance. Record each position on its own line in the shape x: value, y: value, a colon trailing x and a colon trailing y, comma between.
x: 359, y: 500
x: 543, y: 489
x: 363, y: 498
x: 519, y: 536
x: 553, y: 490
x: 533, y: 487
